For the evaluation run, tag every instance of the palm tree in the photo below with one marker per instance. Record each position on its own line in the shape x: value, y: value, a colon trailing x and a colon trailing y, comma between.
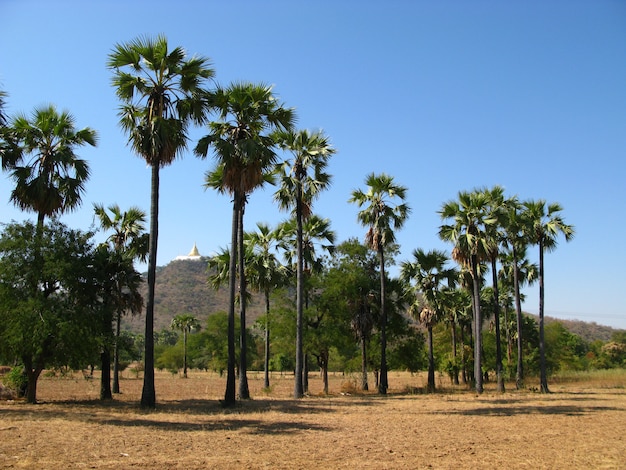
x: 431, y: 279
x: 494, y: 233
x: 186, y: 323
x: 302, y: 181
x: 245, y: 150
x: 455, y: 304
x: 49, y: 177
x: 382, y: 217
x: 130, y: 241
x: 543, y: 227
x: 265, y: 274
x: 467, y: 233
x: 316, y: 236
x: 162, y: 93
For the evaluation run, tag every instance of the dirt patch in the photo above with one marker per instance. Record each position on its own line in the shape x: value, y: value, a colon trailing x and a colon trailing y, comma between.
x: 580, y: 425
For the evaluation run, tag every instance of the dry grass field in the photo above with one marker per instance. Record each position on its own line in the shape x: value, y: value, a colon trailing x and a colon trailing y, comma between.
x: 582, y: 424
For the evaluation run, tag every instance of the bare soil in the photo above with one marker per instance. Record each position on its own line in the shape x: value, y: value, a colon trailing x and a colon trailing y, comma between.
x: 582, y: 424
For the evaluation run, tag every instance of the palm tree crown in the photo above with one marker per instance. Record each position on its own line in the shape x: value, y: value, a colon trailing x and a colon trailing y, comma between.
x: 381, y: 216
x: 49, y: 177
x: 162, y: 93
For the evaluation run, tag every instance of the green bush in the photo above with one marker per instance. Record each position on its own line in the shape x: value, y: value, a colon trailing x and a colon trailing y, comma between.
x: 15, y: 380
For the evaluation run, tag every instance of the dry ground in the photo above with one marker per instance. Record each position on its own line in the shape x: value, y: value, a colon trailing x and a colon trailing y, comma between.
x: 581, y: 425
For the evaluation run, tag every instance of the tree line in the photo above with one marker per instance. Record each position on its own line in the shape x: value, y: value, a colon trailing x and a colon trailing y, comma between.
x: 162, y: 93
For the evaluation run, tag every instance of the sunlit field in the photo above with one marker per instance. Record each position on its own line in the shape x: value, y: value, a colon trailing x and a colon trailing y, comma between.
x: 582, y: 424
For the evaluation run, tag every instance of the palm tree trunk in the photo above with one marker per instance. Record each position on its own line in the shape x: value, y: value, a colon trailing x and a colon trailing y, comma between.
x: 496, y: 298
x: 298, y: 391
x: 305, y: 373
x: 364, y: 385
x: 542, y: 344
x: 324, y: 365
x: 266, y: 361
x: 455, y: 371
x: 383, y: 383
x: 463, y: 358
x: 148, y: 394
x: 116, y: 354
x: 519, y: 377
x: 229, y: 395
x: 185, y: 351
x: 478, y: 375
x: 105, y: 378
x: 244, y: 392
x: 431, y: 361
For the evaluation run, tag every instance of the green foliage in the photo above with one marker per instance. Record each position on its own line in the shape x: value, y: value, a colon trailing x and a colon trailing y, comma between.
x: 15, y: 379
x: 51, y: 297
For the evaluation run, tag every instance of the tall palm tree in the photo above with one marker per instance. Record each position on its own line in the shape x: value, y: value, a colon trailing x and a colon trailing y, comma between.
x: 244, y: 146
x: 515, y: 243
x: 186, y: 323
x: 265, y: 274
x: 467, y: 232
x: 382, y: 216
x: 496, y: 212
x: 517, y: 271
x: 302, y: 180
x: 162, y: 93
x: 130, y: 241
x: 544, y: 224
x: 431, y: 278
x: 49, y: 177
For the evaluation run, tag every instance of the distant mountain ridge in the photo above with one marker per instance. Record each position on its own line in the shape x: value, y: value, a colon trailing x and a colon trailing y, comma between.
x: 182, y: 287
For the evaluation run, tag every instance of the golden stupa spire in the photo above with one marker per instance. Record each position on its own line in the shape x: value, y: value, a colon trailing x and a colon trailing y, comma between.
x: 194, y: 251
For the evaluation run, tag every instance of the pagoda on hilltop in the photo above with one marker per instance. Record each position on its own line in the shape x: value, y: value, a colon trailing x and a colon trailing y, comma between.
x: 194, y: 255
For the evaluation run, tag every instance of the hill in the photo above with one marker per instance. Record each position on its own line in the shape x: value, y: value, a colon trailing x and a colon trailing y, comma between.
x: 589, y: 331
x: 181, y: 287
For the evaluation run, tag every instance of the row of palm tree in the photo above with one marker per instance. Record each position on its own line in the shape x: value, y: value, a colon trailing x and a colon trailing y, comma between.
x: 482, y: 223
x: 163, y: 93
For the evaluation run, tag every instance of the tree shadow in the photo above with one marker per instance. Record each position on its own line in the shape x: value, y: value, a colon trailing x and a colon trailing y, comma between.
x: 203, y: 415
x: 567, y: 410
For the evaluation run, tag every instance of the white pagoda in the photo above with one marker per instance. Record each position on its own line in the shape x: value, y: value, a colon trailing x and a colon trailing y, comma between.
x: 194, y: 255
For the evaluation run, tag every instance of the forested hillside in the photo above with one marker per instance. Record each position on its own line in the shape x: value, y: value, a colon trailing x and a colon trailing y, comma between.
x: 589, y: 331
x: 181, y: 287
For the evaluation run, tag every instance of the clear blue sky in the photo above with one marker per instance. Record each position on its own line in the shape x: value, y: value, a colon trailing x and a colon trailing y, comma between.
x: 442, y: 95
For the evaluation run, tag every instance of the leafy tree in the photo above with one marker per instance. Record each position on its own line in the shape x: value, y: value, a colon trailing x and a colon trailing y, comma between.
x: 327, y: 320
x: 128, y: 241
x: 185, y: 323
x: 245, y: 150
x: 469, y: 219
x: 50, y: 299
x: 544, y: 226
x: 382, y: 216
x: 358, y: 279
x: 302, y: 180
x: 49, y: 177
x: 162, y: 93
